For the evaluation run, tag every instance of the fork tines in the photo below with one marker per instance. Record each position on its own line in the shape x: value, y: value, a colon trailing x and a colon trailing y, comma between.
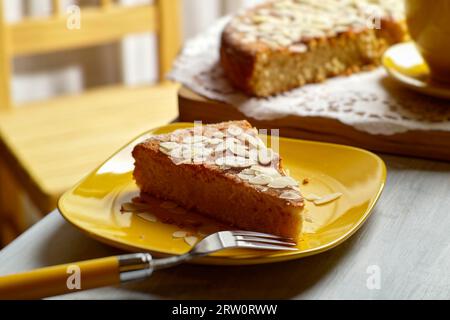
x: 260, y: 235
x: 258, y: 240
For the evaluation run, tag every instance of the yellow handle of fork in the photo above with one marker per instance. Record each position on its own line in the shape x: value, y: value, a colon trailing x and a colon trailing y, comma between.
x: 61, y: 279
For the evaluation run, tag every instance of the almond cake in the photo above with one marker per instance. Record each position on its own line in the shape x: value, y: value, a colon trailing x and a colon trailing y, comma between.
x: 223, y: 171
x: 285, y: 44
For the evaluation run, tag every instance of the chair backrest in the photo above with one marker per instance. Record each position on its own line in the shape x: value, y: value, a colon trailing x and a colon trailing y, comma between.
x: 98, y: 25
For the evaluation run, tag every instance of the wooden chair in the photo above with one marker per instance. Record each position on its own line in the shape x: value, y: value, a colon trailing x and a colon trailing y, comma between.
x: 48, y: 146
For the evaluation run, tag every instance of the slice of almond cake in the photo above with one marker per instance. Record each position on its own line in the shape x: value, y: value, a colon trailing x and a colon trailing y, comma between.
x: 224, y: 171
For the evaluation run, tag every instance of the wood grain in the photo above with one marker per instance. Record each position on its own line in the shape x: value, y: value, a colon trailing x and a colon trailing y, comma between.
x: 425, y: 144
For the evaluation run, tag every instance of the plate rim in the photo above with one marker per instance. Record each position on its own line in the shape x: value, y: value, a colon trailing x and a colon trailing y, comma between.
x: 412, y: 82
x: 220, y: 260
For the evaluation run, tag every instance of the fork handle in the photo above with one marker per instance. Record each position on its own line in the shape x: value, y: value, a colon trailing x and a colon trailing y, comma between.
x: 73, y: 277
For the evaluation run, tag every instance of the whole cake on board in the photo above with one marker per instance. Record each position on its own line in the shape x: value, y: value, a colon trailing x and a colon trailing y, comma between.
x: 284, y: 44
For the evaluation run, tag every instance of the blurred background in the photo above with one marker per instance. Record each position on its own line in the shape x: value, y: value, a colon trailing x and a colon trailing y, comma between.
x: 64, y: 96
x: 131, y: 61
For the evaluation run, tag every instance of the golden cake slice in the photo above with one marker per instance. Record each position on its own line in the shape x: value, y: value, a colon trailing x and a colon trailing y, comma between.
x: 285, y: 44
x: 224, y: 171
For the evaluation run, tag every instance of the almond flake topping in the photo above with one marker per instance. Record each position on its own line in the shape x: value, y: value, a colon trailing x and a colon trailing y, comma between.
x: 169, y: 145
x: 248, y: 172
x: 174, y: 153
x: 244, y: 176
x: 134, y: 207
x: 328, y: 198
x: 283, y: 182
x: 265, y: 156
x: 239, y: 150
x: 218, y: 134
x: 285, y: 23
x: 235, y: 131
x: 148, y: 216
x: 266, y: 170
x: 194, y: 139
x: 234, y: 162
x: 298, y: 48
x: 289, y: 195
x: 191, y: 240
x: 261, y: 179
x: 233, y: 148
x: 220, y: 148
x: 199, y: 160
x: 215, y: 141
x: 252, y: 141
x: 253, y: 154
x: 183, y: 161
x: 231, y: 141
x: 311, y: 197
x: 179, y: 234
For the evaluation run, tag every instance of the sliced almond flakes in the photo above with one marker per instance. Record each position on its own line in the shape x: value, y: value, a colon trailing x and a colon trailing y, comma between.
x: 179, y: 234
x: 328, y: 198
x: 148, y: 217
x: 191, y: 240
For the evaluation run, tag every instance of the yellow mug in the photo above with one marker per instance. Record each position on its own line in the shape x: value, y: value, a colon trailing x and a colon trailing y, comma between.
x: 429, y: 26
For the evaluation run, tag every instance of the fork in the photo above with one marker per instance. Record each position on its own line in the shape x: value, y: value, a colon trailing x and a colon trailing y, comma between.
x: 77, y: 276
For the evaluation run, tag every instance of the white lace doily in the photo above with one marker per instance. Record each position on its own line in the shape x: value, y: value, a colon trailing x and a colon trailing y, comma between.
x: 368, y: 101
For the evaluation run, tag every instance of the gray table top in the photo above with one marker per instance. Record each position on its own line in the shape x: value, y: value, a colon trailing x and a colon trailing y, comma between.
x: 402, y: 252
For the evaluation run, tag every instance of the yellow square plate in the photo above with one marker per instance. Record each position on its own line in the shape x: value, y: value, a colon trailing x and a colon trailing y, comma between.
x: 93, y: 205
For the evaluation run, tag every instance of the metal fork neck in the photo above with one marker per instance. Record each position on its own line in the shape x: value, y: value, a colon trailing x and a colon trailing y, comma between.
x: 135, y: 266
x: 139, y: 266
x: 168, y: 262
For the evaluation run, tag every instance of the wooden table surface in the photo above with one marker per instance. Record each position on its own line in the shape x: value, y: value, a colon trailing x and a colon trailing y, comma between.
x: 406, y: 242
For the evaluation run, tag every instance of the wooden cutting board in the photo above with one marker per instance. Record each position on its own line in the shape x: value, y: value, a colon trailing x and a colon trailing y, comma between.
x: 425, y: 144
